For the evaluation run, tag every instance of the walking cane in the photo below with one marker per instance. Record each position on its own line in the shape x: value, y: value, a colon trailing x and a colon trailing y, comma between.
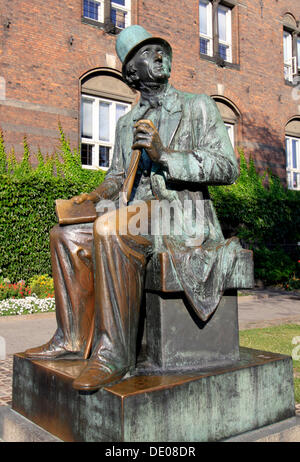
x: 126, y: 193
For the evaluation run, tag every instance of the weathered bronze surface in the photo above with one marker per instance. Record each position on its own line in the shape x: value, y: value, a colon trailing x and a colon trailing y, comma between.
x: 69, y: 213
x: 209, y: 405
x: 169, y: 147
x: 177, y: 340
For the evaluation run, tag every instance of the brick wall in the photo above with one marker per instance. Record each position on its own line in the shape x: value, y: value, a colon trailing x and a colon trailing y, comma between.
x: 42, y: 70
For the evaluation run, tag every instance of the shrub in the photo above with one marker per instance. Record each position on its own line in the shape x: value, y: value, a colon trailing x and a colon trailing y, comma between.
x: 27, y: 205
x: 9, y: 290
x: 265, y: 216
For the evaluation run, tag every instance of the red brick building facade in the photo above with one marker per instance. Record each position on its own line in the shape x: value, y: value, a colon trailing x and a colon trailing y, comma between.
x: 52, y: 52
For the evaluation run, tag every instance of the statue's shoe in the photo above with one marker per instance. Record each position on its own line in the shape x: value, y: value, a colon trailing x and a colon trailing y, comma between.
x: 96, y: 375
x: 50, y: 350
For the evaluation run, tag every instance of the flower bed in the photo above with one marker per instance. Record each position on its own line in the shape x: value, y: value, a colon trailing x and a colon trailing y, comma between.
x: 27, y: 305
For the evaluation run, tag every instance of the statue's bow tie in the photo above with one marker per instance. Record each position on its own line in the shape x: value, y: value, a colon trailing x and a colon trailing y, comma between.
x: 153, y: 101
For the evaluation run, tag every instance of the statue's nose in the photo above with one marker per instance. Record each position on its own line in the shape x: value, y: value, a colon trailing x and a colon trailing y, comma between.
x: 158, y: 56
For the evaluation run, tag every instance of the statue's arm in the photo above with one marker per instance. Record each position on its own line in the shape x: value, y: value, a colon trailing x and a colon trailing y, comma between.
x: 212, y: 159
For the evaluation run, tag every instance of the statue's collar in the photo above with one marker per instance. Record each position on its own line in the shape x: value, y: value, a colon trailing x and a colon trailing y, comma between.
x: 154, y: 100
x: 169, y: 101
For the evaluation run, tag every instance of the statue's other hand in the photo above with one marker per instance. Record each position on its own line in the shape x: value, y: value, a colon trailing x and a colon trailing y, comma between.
x: 147, y: 137
x: 93, y: 196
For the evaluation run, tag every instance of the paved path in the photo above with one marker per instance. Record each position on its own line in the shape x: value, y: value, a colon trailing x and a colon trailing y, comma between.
x: 25, y: 331
x: 261, y: 309
x: 268, y: 309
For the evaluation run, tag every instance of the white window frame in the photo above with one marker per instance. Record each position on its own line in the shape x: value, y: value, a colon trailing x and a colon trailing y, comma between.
x: 126, y: 9
x: 209, y: 35
x: 230, y: 131
x: 289, y: 162
x: 290, y: 61
x: 228, y: 41
x: 298, y: 51
x: 100, y: 11
x: 94, y: 141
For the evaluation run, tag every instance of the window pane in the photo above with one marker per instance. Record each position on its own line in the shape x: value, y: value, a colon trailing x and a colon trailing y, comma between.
x: 104, y: 121
x: 230, y: 131
x: 119, y: 2
x: 222, y: 24
x: 287, y: 150
x: 87, y: 118
x: 120, y: 111
x: 287, y: 46
x: 298, y: 51
x: 294, y: 153
x: 90, y: 9
x: 295, y: 180
x: 118, y: 17
x: 203, y: 18
x: 86, y: 154
x: 223, y: 51
x: 204, y: 46
x: 104, y: 156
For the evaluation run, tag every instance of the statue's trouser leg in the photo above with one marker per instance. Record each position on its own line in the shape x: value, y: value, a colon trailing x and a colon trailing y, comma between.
x: 120, y: 263
x: 73, y: 275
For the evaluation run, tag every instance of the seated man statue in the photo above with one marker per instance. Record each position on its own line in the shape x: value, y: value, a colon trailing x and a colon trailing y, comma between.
x: 98, y: 268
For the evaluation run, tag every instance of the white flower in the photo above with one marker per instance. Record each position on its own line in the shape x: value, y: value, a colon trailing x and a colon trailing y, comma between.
x: 26, y: 305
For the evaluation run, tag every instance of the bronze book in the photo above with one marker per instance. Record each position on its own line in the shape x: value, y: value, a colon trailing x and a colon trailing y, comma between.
x: 69, y: 213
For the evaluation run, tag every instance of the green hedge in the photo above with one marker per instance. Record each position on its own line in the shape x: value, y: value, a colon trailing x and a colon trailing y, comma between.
x: 266, y: 217
x: 257, y: 209
x: 27, y: 205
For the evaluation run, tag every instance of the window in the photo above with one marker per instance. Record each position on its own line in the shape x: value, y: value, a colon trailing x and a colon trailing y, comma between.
x: 220, y: 18
x: 205, y: 23
x: 291, y: 47
x: 224, y: 33
x: 120, y: 13
x: 230, y: 131
x: 93, y: 9
x: 230, y: 115
x: 99, y: 117
x: 293, y: 162
x: 289, y: 60
x: 104, y: 99
x: 104, y: 11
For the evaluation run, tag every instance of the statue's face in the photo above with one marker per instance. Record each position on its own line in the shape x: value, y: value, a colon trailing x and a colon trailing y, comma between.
x: 152, y: 63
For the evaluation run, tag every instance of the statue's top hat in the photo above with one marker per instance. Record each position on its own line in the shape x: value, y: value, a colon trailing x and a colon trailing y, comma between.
x: 132, y: 38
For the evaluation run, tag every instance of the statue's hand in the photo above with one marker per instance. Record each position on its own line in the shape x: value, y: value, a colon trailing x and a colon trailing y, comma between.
x: 93, y: 196
x: 146, y: 136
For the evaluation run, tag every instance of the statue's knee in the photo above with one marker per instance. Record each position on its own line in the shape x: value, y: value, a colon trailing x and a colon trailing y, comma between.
x: 54, y: 233
x: 58, y: 233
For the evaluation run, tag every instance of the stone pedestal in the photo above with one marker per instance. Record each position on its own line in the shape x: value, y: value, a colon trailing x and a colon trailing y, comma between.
x: 177, y: 340
x: 208, y: 405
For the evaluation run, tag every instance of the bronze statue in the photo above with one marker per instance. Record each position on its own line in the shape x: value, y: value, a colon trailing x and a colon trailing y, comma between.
x: 169, y: 147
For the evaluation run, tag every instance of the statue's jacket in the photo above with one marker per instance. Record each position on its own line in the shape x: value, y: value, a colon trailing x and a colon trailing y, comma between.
x: 201, y: 154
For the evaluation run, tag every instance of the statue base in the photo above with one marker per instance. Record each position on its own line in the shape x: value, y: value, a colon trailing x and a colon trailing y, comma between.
x: 213, y: 404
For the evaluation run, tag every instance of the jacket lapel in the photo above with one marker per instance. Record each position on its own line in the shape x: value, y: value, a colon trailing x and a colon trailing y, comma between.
x: 126, y: 133
x: 170, y: 117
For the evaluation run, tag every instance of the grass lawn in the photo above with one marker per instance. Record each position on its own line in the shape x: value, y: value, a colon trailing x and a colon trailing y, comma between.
x: 277, y: 339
